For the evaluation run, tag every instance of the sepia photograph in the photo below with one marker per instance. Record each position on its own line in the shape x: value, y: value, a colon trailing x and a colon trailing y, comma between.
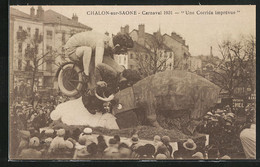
x: 136, y: 82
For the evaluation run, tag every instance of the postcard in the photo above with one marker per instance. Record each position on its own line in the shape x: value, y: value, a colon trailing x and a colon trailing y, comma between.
x: 132, y: 82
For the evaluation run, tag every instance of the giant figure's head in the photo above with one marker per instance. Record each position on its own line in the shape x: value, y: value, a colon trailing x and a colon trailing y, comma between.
x: 122, y: 42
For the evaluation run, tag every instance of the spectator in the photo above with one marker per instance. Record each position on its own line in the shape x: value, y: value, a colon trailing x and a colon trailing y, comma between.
x: 117, y: 138
x: 149, y: 151
x: 87, y: 133
x: 156, y: 140
x: 225, y: 157
x: 166, y: 142
x: 46, y: 145
x: 197, y: 155
x: 31, y: 152
x: 161, y: 156
x: 24, y: 140
x: 139, y: 152
x: 190, y: 146
x: 124, y: 150
x: 177, y: 154
x: 75, y: 134
x: 81, y: 149
x: 101, y: 145
x: 92, y: 150
x: 112, y: 151
x: 58, y: 142
x: 49, y: 133
x: 162, y: 149
x: 135, y: 141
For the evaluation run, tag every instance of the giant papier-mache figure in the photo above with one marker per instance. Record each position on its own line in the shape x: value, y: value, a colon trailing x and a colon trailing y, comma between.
x: 171, y: 91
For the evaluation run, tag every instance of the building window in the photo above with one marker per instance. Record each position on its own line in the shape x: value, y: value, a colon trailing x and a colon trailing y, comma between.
x: 28, y: 65
x: 170, y: 55
x: 36, y: 32
x: 49, y: 48
x: 19, y: 64
x: 63, y: 38
x: 131, y: 56
x: 49, y: 66
x: 20, y: 28
x: 29, y: 31
x: 124, y: 59
x: 146, y: 57
x: 49, y: 34
x: 20, y: 47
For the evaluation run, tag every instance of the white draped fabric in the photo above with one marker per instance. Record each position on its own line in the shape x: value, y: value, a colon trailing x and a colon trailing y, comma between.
x: 73, y: 112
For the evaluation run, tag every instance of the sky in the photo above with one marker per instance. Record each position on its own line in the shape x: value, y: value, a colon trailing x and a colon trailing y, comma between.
x: 200, y: 31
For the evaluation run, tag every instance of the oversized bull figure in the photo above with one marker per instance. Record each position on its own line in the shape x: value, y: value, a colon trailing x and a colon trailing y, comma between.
x: 168, y: 91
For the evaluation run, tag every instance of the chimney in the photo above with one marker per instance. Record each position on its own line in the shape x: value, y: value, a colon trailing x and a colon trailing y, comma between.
x: 173, y: 34
x: 75, y: 17
x: 211, y: 54
x: 141, y: 30
x: 40, y: 12
x: 122, y: 30
x: 32, y: 12
x: 127, y: 29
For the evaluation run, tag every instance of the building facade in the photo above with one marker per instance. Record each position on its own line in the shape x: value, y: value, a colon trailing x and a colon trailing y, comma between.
x: 180, y: 49
x: 53, y: 29
x: 194, y: 64
x: 22, y: 28
x: 149, y: 51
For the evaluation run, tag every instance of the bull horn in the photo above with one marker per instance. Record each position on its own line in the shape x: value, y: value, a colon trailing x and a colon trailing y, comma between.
x: 108, y: 99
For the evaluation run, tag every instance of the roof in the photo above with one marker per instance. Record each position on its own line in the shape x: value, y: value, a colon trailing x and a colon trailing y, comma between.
x: 151, y: 40
x: 51, y: 16
x: 16, y: 12
x: 138, y: 47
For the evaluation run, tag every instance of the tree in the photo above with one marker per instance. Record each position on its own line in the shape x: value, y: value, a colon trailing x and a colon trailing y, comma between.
x: 237, y: 68
x: 32, y: 55
x: 154, y: 56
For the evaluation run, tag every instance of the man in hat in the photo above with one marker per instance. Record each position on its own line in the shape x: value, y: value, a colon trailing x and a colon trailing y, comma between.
x: 134, y: 141
x: 190, y: 147
x: 31, y: 152
x: 87, y: 134
x: 166, y: 142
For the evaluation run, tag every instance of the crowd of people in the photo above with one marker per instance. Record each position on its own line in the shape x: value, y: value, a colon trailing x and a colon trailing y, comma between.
x: 32, y: 140
x: 225, y: 129
x: 57, y: 144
